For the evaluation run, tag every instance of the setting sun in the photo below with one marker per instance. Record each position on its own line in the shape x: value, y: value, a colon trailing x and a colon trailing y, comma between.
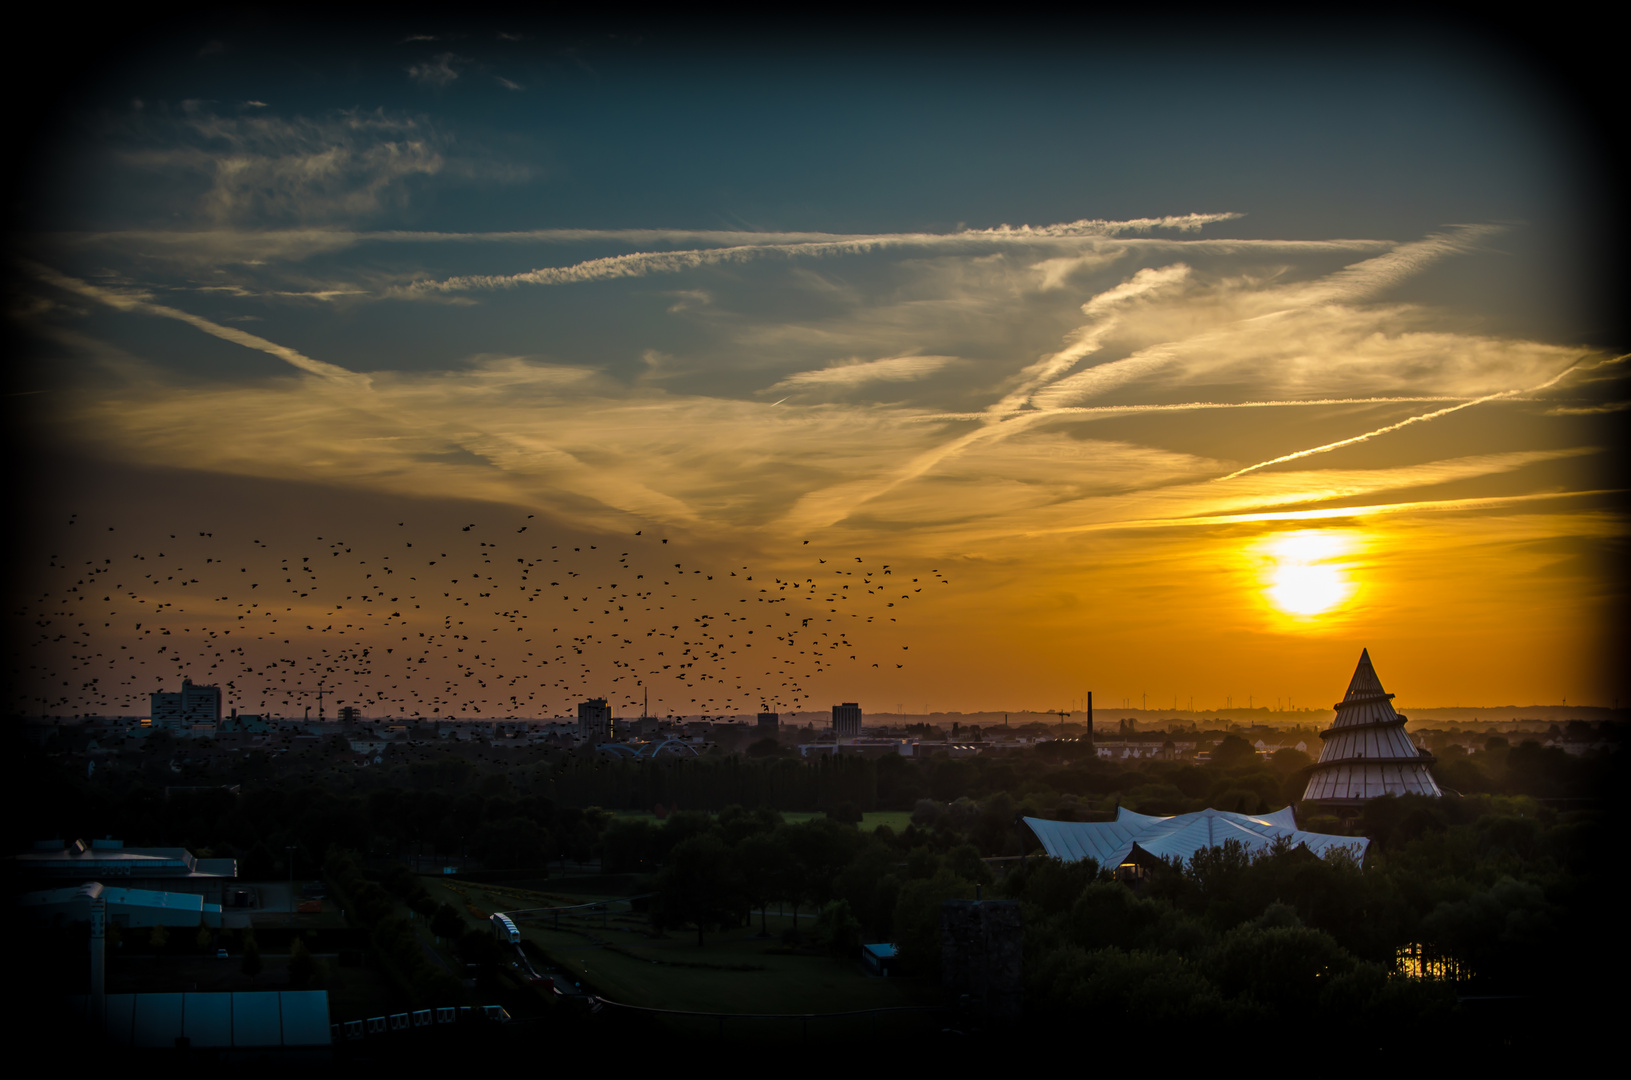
x: 1303, y: 577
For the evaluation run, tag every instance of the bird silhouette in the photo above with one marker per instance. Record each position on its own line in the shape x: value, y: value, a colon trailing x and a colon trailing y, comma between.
x: 472, y: 628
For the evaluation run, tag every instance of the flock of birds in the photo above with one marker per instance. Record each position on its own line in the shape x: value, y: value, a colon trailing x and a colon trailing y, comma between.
x: 453, y: 623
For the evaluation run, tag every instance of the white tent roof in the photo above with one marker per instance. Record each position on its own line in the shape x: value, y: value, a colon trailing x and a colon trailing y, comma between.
x: 1110, y: 843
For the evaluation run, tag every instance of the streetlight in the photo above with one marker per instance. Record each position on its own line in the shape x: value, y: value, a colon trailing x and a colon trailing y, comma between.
x: 290, y: 849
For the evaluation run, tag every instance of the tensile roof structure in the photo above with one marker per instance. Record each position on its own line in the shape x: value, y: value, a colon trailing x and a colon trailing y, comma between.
x: 1142, y: 838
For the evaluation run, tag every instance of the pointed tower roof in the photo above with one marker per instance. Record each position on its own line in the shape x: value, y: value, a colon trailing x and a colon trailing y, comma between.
x: 1367, y: 752
x: 1364, y: 683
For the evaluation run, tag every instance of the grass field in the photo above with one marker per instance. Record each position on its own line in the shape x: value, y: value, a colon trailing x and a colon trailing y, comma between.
x: 735, y: 971
x: 895, y: 819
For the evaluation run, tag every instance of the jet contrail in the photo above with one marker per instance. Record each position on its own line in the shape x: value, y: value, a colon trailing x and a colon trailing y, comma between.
x: 1423, y: 418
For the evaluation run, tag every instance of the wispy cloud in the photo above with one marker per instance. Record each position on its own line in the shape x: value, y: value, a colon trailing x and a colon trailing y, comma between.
x: 966, y: 411
x: 259, y: 169
x: 857, y: 372
x: 439, y: 71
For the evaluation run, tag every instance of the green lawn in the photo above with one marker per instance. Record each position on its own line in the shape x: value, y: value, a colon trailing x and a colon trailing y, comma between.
x: 895, y: 819
x: 621, y: 964
x: 735, y: 971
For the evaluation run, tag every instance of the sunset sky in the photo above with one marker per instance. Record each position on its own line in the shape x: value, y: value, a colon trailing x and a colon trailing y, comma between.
x: 1180, y: 367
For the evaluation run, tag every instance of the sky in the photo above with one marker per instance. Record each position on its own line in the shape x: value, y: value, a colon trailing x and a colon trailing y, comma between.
x: 952, y: 373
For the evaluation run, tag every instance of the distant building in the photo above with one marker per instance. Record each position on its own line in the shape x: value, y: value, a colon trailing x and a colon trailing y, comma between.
x: 266, y: 1022
x: 640, y: 727
x: 770, y: 720
x: 846, y: 721
x: 246, y: 723
x: 350, y: 714
x: 595, y: 720
x: 180, y: 712
x: 125, y: 907
x: 160, y: 869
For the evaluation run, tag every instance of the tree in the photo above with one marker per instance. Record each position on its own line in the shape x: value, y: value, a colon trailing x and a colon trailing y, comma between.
x: 158, y: 938
x: 204, y: 937
x: 823, y: 848
x: 838, y: 930
x: 1233, y: 751
x: 964, y: 861
x: 447, y: 922
x: 763, y: 859
x: 628, y: 845
x: 700, y: 886
x: 251, y: 965
x: 917, y: 918
x: 302, y: 965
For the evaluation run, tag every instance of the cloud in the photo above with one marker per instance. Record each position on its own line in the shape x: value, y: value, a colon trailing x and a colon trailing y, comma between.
x: 854, y: 373
x: 438, y: 72
x: 260, y: 169
x: 1589, y: 410
x: 1147, y: 282
x: 716, y: 406
x: 1315, y: 337
x: 1057, y: 271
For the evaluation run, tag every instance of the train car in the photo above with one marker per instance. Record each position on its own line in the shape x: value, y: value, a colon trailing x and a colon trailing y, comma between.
x: 504, y: 930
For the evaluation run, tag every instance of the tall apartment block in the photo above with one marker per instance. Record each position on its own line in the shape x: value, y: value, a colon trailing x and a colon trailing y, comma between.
x: 180, y: 711
x: 846, y: 720
x: 595, y: 720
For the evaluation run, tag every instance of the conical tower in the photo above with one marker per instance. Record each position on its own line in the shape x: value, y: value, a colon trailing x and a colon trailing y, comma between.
x: 1367, y: 752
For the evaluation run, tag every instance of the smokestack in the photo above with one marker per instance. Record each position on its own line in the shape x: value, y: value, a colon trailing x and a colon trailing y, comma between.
x: 1090, y: 718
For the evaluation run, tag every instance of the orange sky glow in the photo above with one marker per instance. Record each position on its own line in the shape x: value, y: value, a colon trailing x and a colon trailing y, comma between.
x: 454, y: 428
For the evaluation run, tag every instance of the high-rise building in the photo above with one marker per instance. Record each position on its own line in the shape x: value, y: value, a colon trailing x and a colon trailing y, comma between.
x: 770, y: 720
x: 846, y: 721
x: 181, y: 711
x: 595, y: 720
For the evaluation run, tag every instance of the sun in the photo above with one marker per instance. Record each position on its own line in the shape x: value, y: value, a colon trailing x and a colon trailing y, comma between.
x: 1303, y: 574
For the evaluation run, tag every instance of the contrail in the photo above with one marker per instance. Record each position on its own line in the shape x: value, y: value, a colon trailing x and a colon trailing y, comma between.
x: 132, y: 302
x: 1423, y: 418
x: 1187, y: 406
x: 641, y: 263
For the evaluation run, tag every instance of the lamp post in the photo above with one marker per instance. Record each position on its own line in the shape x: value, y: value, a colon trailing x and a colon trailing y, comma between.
x: 290, y: 849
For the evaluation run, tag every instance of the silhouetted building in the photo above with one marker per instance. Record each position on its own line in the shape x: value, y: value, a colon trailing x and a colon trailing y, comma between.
x: 350, y: 714
x: 595, y: 720
x: 170, y: 870
x: 770, y: 720
x: 181, y: 711
x: 846, y: 721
